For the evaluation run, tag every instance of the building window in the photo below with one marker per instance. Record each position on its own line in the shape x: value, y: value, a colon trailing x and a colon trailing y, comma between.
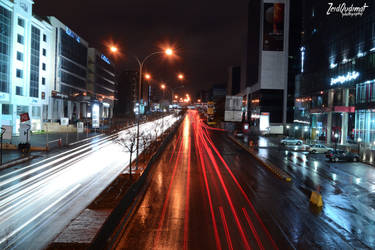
x: 43, y: 66
x: 35, y: 62
x: 19, y: 90
x: 19, y: 56
x: 43, y: 81
x: 19, y: 73
x: 44, y: 38
x: 35, y: 111
x: 6, y: 109
x: 20, y: 39
x: 5, y: 45
x: 44, y: 52
x: 21, y: 22
x: 22, y: 109
x: 43, y: 95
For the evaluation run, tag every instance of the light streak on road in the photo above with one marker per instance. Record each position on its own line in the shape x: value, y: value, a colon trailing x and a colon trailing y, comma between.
x: 33, y: 197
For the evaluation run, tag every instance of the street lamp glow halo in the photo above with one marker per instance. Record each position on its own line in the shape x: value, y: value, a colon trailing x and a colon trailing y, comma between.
x: 169, y: 52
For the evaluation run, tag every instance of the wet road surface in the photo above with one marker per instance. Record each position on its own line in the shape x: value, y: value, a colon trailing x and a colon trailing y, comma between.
x: 196, y: 201
x: 207, y: 193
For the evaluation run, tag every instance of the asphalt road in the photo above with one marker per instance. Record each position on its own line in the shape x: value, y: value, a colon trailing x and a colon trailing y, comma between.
x: 207, y: 193
x: 37, y: 200
x: 195, y: 199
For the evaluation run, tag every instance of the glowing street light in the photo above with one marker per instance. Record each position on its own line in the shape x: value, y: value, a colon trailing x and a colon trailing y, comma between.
x: 169, y: 51
x: 176, y: 96
x: 113, y: 49
x: 141, y: 62
x: 148, y: 76
x: 163, y: 86
x: 180, y: 76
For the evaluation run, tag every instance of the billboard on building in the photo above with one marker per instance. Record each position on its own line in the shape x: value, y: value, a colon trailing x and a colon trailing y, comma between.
x: 273, y: 27
x: 233, y: 109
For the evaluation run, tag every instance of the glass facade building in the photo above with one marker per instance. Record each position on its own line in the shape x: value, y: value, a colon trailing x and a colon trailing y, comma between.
x: 34, y: 62
x: 5, y: 44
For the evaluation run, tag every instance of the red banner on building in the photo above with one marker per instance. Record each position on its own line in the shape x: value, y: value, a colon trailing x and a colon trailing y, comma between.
x: 24, y: 117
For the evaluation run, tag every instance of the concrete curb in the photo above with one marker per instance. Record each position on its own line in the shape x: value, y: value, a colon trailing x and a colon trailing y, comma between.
x: 275, y: 170
x: 17, y: 161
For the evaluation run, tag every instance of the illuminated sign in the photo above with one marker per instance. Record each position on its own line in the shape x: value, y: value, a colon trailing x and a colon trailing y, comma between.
x: 95, y: 115
x: 72, y: 34
x: 104, y: 58
x: 350, y: 76
x: 264, y: 121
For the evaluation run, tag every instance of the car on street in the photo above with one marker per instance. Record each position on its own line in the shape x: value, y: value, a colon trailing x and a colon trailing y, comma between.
x: 291, y: 141
x: 319, y: 148
x: 342, y: 155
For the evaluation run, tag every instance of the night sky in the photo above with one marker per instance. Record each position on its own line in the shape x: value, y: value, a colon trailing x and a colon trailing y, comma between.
x: 207, y: 34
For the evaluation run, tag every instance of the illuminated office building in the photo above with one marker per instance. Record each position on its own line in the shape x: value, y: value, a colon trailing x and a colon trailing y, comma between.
x: 101, y: 82
x: 26, y: 55
x: 335, y: 92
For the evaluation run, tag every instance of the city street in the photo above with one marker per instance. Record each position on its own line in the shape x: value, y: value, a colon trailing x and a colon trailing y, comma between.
x: 207, y: 193
x: 39, y: 199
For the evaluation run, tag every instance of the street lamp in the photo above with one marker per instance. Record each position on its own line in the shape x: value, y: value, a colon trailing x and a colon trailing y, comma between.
x: 141, y: 62
x: 147, y: 76
x: 336, y: 138
x: 113, y: 49
x: 180, y: 76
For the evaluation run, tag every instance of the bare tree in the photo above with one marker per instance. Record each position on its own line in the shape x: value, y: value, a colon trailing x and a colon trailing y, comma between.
x: 128, y: 141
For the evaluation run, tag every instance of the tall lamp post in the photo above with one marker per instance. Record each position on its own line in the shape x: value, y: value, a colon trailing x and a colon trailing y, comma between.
x: 141, y: 63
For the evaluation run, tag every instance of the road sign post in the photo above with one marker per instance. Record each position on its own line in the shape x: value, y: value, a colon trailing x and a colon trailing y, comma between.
x: 1, y: 146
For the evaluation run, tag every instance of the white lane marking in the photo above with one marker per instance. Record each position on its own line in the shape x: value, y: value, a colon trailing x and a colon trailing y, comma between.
x: 38, y: 214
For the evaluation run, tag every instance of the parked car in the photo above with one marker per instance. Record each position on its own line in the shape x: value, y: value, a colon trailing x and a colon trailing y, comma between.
x: 320, y: 148
x: 291, y: 141
x: 342, y: 155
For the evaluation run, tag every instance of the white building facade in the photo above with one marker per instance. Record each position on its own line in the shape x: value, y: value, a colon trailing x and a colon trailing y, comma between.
x: 26, y: 60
